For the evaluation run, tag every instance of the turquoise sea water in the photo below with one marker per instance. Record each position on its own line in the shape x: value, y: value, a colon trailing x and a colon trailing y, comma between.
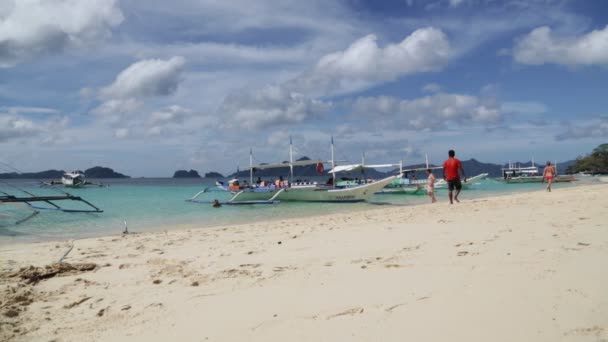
x: 159, y: 204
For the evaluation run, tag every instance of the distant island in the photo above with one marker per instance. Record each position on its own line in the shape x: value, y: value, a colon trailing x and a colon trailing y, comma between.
x: 103, y: 172
x: 94, y: 172
x: 186, y: 174
x: 213, y: 175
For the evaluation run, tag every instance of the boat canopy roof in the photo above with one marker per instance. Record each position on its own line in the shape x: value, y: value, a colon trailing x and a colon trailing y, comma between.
x: 522, y: 169
x: 354, y: 167
x: 287, y: 164
x: 423, y: 168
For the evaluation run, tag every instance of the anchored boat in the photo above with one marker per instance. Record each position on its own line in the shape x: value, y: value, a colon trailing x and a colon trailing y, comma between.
x: 302, y: 191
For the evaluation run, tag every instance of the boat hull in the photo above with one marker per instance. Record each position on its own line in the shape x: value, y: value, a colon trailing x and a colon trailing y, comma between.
x: 539, y: 179
x: 350, y: 194
x: 420, y: 190
x: 314, y: 193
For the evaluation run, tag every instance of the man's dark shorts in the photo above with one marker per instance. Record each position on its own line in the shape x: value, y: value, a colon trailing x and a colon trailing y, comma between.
x: 454, y: 183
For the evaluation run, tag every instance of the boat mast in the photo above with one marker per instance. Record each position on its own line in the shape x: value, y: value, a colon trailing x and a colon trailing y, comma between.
x: 250, y: 167
x: 555, y: 163
x: 427, y: 160
x: 290, y: 161
x: 333, y: 163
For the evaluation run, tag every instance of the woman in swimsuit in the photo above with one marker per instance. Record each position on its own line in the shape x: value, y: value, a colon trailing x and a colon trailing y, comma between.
x: 548, y: 174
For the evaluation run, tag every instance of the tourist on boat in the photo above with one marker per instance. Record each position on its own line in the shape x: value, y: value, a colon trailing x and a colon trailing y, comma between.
x: 258, y: 181
x: 548, y: 174
x: 330, y: 181
x: 431, y: 185
x: 452, y: 168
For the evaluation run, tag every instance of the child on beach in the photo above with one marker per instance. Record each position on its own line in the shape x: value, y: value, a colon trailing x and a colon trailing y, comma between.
x: 431, y: 185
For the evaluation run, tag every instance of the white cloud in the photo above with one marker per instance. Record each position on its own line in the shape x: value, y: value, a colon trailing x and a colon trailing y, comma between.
x: 456, y: 3
x: 28, y: 110
x: 123, y: 103
x: 270, y: 106
x: 542, y: 46
x: 121, y: 133
x: 171, y: 114
x: 117, y: 107
x: 427, y: 113
x: 364, y: 64
x: 432, y: 88
x: 146, y: 78
x: 278, y: 138
x: 14, y: 127
x: 211, y: 16
x: 361, y: 65
x: 33, y: 28
x: 596, y: 129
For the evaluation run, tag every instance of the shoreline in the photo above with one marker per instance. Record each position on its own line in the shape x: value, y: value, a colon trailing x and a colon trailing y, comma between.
x: 147, y: 229
x: 528, y: 266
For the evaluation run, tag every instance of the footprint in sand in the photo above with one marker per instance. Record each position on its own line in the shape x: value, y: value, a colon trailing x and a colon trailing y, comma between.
x: 349, y: 312
x: 462, y: 253
x: 591, y: 331
x: 393, y: 307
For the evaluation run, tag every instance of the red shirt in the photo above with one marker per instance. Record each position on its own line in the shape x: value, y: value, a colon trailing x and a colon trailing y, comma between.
x: 450, y: 168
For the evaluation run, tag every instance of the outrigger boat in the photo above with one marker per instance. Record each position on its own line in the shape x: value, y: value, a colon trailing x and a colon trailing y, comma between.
x: 407, y: 186
x: 74, y: 179
x: 31, y: 199
x: 515, y: 174
x: 301, y: 191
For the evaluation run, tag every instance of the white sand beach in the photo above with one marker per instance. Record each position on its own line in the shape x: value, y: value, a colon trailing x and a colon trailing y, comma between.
x: 524, y: 267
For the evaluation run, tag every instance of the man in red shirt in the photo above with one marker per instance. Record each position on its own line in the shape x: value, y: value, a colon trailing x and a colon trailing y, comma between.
x: 451, y: 168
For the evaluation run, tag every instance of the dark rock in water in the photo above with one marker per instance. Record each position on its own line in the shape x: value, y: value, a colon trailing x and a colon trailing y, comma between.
x: 186, y: 174
x: 213, y: 175
x: 103, y: 172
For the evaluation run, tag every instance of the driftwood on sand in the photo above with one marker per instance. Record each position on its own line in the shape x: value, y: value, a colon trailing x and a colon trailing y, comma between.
x: 33, y: 275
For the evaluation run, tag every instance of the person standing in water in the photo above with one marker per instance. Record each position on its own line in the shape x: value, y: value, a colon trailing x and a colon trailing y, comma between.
x: 548, y: 174
x: 431, y: 185
x: 451, y: 174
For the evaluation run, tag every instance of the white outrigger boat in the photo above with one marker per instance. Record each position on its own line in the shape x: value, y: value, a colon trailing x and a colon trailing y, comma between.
x: 407, y: 186
x: 73, y: 179
x: 515, y: 174
x: 301, y: 192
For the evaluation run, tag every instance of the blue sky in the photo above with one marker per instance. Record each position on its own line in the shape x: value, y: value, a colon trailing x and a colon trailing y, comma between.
x: 146, y: 87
